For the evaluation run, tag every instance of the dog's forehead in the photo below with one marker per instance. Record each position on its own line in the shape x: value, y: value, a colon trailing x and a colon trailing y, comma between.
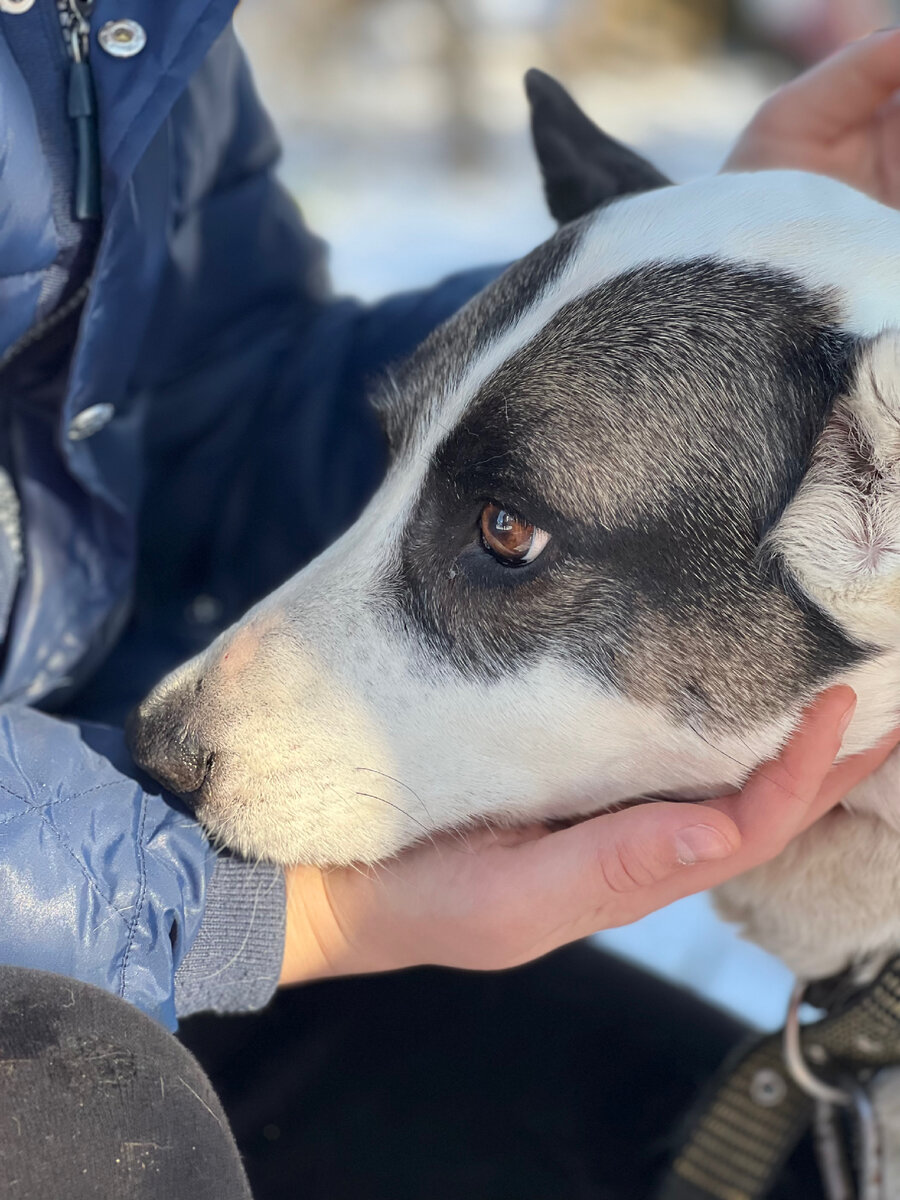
x: 823, y: 233
x: 828, y: 238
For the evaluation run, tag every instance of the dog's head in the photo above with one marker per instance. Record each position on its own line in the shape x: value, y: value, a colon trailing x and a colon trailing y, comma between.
x: 644, y: 501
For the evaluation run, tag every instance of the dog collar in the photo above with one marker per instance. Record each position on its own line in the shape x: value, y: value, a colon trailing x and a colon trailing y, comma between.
x: 775, y: 1088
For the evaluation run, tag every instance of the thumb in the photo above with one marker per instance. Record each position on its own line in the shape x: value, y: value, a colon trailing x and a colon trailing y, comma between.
x: 610, y: 870
x: 842, y: 92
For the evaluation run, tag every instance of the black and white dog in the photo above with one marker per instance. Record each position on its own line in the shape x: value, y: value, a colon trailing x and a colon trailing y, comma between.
x: 644, y: 502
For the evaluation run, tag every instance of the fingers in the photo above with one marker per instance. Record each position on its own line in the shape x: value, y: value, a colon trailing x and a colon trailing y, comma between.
x: 782, y: 797
x: 842, y: 92
x: 847, y: 774
x: 609, y: 870
x: 617, y: 868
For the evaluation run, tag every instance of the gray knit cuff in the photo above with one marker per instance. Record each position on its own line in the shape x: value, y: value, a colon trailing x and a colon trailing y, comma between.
x: 235, y: 961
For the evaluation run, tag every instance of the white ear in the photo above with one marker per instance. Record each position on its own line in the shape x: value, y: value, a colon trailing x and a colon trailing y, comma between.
x: 840, y: 535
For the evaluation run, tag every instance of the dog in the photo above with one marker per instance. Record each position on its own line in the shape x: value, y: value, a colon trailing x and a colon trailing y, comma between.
x: 643, y: 504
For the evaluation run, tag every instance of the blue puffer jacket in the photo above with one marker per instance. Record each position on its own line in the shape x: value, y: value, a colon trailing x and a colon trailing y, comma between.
x: 179, y: 443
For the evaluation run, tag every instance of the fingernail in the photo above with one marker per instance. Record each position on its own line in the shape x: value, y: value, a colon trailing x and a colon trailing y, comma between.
x: 700, y: 843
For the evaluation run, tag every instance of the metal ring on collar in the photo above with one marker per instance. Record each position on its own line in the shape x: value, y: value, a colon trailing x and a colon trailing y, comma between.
x: 796, y: 1063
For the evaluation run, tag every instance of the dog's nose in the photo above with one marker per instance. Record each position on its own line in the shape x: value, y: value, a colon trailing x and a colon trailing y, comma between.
x: 161, y: 744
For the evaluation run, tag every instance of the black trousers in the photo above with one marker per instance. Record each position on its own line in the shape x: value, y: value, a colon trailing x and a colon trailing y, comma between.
x: 97, y: 1100
x: 563, y: 1080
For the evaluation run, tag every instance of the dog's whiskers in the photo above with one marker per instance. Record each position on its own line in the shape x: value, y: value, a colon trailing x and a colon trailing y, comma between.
x: 459, y: 835
x: 366, y: 871
x: 748, y: 767
x: 718, y: 750
x: 400, y: 783
x: 494, y: 458
x: 400, y: 809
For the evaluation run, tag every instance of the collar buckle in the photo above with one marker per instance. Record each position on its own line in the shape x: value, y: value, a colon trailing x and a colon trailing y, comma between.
x: 845, y: 1126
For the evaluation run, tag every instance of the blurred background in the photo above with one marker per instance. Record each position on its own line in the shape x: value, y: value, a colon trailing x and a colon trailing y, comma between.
x: 406, y: 143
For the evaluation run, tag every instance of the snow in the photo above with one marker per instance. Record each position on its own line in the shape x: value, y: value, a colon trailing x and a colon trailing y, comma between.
x: 687, y: 943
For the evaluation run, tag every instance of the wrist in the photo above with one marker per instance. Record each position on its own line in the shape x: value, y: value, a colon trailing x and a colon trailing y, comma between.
x: 345, y: 922
x: 314, y: 945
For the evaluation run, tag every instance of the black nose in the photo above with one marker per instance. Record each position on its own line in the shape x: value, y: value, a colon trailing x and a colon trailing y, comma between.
x: 160, y: 743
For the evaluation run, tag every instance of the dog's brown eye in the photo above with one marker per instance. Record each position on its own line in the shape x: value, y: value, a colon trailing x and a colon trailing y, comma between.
x: 509, y: 538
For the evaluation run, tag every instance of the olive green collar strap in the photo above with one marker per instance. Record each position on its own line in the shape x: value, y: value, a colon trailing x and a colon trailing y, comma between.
x: 767, y: 1095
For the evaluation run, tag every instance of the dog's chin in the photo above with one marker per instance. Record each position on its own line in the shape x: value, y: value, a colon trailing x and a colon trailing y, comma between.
x: 685, y: 796
x: 234, y: 824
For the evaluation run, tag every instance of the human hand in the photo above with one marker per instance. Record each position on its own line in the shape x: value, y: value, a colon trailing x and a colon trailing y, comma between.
x: 842, y: 119
x: 500, y: 897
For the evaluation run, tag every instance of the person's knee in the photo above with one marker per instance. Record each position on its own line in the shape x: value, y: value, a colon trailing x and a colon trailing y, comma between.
x: 99, y: 1099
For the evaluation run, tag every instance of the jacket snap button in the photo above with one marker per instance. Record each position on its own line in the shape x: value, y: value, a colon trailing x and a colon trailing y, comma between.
x: 15, y: 6
x: 90, y: 421
x: 122, y: 39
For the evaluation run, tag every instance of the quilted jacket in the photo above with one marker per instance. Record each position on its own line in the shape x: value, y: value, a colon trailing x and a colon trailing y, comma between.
x: 183, y: 425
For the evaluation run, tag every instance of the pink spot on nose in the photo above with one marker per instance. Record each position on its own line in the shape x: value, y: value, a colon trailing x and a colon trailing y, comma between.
x: 242, y: 649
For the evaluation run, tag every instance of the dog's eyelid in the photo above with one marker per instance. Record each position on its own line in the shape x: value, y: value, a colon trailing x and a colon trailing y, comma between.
x: 531, y: 511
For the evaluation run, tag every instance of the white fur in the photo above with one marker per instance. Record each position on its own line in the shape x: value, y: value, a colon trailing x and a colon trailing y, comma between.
x: 362, y: 746
x: 841, y: 532
x: 834, y: 895
x: 337, y: 696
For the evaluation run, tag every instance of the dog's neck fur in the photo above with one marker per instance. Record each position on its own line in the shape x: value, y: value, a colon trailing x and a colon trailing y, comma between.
x: 832, y: 899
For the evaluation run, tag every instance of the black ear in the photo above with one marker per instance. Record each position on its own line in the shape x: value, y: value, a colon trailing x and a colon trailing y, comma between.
x: 582, y: 166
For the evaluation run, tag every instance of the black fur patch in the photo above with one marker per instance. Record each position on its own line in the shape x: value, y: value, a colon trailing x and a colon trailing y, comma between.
x: 416, y: 387
x: 656, y: 427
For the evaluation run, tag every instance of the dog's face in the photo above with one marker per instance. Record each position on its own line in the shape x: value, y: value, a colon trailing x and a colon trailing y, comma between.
x: 601, y: 565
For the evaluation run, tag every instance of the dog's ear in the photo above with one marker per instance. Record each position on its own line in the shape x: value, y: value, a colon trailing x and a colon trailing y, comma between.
x: 840, y: 534
x: 582, y: 166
